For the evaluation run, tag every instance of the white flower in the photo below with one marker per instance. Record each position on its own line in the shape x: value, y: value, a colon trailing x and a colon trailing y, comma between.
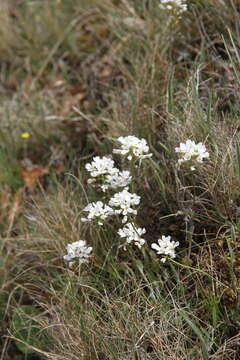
x: 171, y: 4
x: 123, y: 202
x: 97, y: 211
x: 133, y: 147
x: 165, y: 247
x: 121, y: 179
x: 191, y: 152
x: 103, y: 170
x: 78, y: 250
x: 132, y: 234
x: 101, y: 166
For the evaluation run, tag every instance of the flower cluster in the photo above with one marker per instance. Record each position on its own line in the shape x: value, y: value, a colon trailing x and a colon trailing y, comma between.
x: 97, y: 211
x: 101, y: 167
x: 77, y: 251
x: 132, y: 234
x: 165, y: 247
x: 119, y: 180
x: 191, y: 152
x: 180, y: 5
x: 106, y: 175
x: 133, y: 147
x: 123, y: 202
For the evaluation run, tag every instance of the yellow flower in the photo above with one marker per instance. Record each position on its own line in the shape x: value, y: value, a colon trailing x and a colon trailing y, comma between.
x: 25, y: 135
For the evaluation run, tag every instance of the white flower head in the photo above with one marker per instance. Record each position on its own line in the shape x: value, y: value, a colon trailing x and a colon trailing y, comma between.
x: 97, y: 211
x: 120, y: 180
x: 77, y: 251
x: 132, y: 234
x: 133, y: 147
x: 101, y: 166
x: 123, y: 201
x: 165, y: 247
x: 179, y: 5
x: 106, y: 175
x: 191, y: 153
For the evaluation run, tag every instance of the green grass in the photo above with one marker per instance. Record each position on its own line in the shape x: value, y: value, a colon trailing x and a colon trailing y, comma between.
x: 76, y: 75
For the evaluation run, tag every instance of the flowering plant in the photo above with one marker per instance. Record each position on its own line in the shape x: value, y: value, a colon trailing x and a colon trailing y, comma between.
x: 123, y: 202
x: 77, y: 251
x: 97, y: 211
x: 106, y: 175
x: 132, y: 234
x: 101, y: 167
x: 165, y: 247
x: 103, y: 172
x: 133, y: 147
x: 191, y: 153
